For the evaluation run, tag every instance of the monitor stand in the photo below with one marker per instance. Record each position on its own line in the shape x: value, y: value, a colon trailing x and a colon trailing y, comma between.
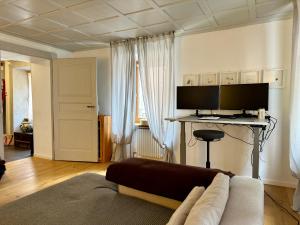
x: 244, y: 115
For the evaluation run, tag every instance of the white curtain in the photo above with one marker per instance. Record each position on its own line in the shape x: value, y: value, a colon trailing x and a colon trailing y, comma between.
x: 295, y: 107
x: 156, y: 69
x: 123, y: 97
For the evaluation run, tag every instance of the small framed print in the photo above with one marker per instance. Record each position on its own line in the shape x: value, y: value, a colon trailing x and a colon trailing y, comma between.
x: 250, y: 77
x: 275, y: 77
x: 209, y: 79
x: 190, y: 80
x: 229, y: 78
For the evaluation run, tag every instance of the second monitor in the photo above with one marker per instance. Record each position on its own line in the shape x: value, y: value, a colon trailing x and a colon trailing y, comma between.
x: 224, y: 97
x: 244, y: 96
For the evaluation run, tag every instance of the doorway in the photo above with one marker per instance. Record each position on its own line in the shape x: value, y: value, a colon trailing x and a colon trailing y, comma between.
x: 17, y: 109
x: 26, y: 120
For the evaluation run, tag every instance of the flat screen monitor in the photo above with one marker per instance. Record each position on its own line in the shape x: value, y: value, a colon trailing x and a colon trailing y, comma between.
x: 244, y: 96
x: 198, y: 97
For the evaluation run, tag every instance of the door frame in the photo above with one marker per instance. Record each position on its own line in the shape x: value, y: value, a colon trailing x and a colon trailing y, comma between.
x: 38, y: 54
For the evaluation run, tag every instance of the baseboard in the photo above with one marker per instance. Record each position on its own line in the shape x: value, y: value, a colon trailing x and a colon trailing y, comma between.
x: 43, y: 156
x: 280, y: 183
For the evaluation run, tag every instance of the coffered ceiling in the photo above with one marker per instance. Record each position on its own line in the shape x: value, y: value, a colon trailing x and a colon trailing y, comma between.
x: 86, y: 24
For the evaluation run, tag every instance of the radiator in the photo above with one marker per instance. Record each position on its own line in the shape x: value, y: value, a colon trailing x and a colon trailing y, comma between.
x: 145, y: 146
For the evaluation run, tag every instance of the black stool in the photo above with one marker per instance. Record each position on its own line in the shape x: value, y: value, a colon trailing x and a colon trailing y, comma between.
x: 208, y: 136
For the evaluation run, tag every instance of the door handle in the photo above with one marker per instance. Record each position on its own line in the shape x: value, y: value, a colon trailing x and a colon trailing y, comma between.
x: 90, y: 106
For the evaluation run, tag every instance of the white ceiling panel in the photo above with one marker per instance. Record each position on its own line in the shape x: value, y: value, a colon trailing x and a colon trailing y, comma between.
x: 93, y: 44
x: 13, y: 13
x: 68, y: 3
x: 130, y: 33
x: 217, y: 5
x: 48, y: 38
x: 20, y: 30
x: 42, y: 24
x: 183, y: 10
x: 71, y: 46
x: 118, y: 24
x: 149, y: 17
x: 160, y: 28
x: 85, y: 24
x: 72, y: 35
x: 195, y: 23
x: 95, y: 28
x: 273, y: 8
x: 129, y: 6
x: 94, y: 10
x: 66, y: 17
x: 232, y: 17
x: 108, y: 37
x: 36, y: 6
x: 166, y: 2
x: 262, y: 1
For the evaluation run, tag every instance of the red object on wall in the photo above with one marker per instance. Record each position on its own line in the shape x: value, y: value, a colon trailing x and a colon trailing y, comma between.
x: 3, y: 90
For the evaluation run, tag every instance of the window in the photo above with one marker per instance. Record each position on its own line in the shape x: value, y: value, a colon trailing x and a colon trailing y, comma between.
x: 140, y: 108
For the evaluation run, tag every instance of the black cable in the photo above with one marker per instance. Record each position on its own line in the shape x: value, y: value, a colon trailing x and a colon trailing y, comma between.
x: 233, y: 136
x: 105, y: 187
x: 191, y: 137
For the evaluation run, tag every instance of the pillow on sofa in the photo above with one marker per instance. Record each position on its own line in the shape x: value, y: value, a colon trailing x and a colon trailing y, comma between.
x: 181, y: 213
x: 208, y: 210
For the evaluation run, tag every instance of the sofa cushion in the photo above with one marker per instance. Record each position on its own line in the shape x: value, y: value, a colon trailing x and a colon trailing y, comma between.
x: 208, y: 210
x: 181, y: 213
x: 166, y: 179
x: 245, y: 205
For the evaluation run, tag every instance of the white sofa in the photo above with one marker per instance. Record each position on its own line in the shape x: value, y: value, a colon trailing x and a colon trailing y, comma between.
x: 245, y: 205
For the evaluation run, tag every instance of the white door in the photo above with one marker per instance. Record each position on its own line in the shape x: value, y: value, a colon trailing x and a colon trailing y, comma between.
x: 75, y: 109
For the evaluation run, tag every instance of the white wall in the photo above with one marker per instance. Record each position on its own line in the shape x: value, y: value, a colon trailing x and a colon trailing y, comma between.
x: 42, y: 108
x: 20, y: 97
x: 23, y: 42
x: 103, y: 79
x: 246, y: 48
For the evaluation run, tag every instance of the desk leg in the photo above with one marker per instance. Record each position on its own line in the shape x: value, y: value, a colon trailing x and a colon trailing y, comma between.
x: 255, y: 166
x: 182, y: 144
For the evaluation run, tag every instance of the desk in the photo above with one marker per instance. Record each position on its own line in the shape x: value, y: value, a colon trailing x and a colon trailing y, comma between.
x: 252, y: 122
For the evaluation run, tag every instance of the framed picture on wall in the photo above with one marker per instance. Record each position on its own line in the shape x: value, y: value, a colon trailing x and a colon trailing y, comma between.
x: 229, y: 78
x: 190, y: 80
x: 209, y: 79
x: 275, y: 77
x: 250, y: 77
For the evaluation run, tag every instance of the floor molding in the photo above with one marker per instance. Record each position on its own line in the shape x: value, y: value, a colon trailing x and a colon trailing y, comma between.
x: 43, y: 156
x: 280, y: 183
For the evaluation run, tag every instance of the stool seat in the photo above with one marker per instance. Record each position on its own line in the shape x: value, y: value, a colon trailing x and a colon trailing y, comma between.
x: 208, y: 135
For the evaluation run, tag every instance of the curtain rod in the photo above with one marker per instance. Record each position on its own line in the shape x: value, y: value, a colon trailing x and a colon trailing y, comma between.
x: 141, y: 37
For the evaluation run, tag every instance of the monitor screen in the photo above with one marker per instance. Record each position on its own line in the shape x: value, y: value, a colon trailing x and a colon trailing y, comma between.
x: 198, y: 97
x: 244, y: 96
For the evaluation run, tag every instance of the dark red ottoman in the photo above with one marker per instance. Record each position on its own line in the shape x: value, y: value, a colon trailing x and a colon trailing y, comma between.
x: 165, y: 179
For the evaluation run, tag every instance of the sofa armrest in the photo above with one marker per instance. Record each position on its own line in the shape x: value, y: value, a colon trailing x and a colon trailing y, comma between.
x: 245, y: 205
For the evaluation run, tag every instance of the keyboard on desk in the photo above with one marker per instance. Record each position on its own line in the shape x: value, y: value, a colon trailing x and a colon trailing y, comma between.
x: 209, y: 118
x: 215, y: 116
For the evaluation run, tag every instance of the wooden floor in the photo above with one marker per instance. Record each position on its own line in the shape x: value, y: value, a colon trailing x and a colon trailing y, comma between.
x: 26, y: 176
